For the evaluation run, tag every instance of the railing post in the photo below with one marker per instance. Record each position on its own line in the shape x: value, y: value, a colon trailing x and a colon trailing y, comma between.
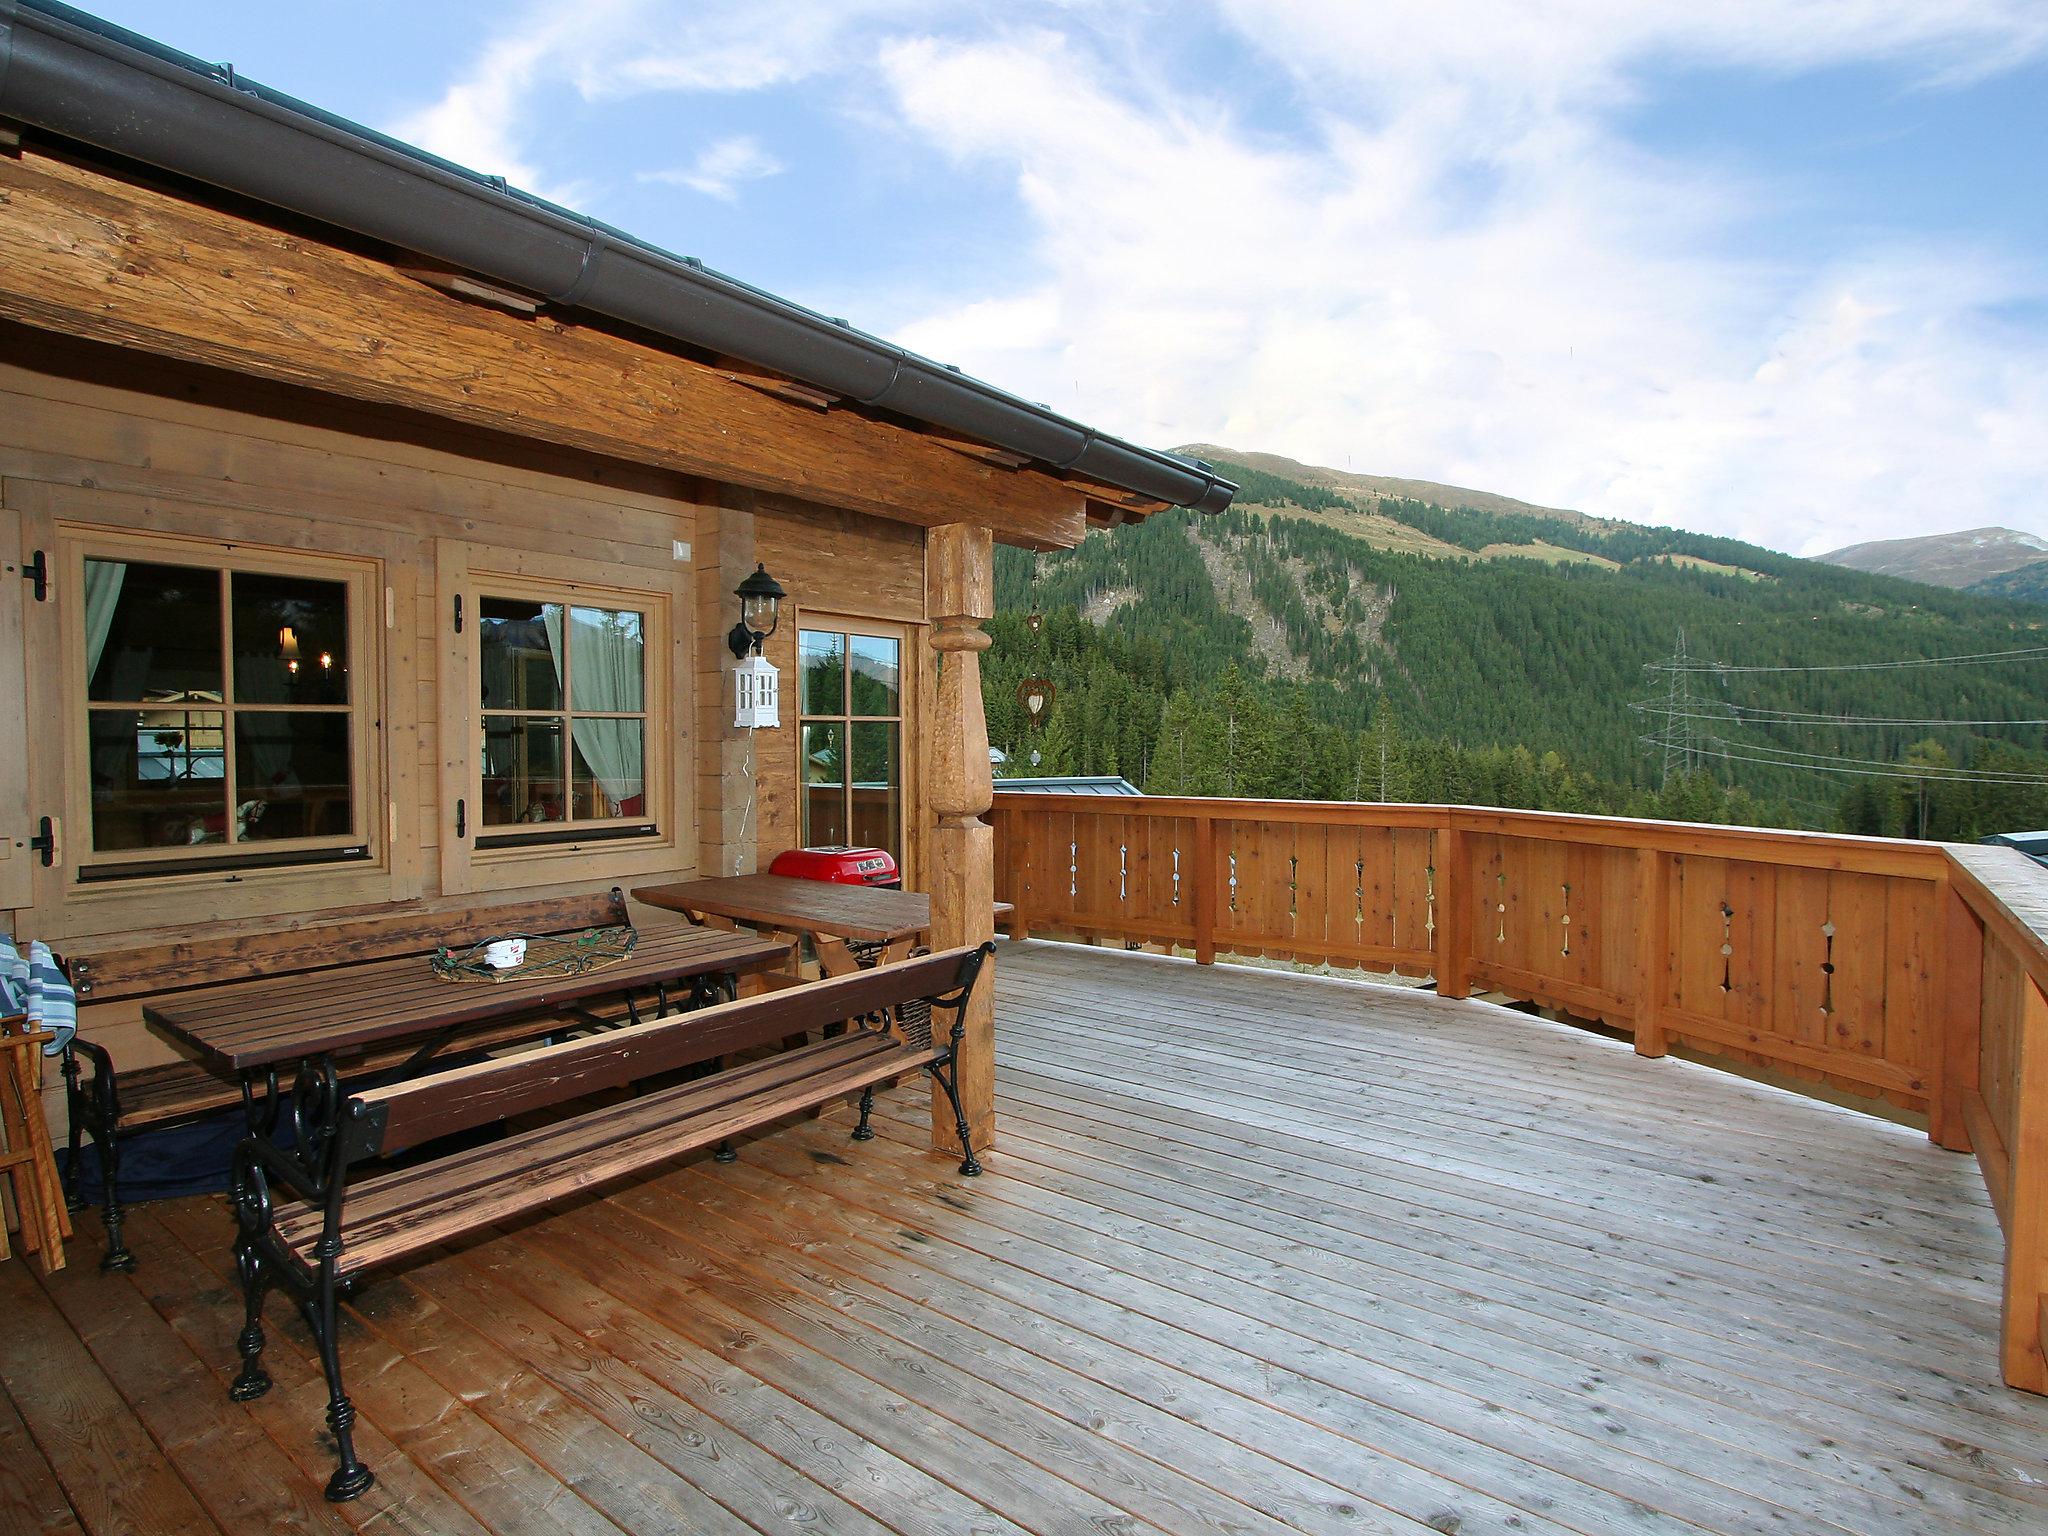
x: 1453, y: 915
x: 2026, y: 1231
x: 1653, y: 951
x: 1959, y: 1000
x: 961, y: 597
x: 1205, y: 888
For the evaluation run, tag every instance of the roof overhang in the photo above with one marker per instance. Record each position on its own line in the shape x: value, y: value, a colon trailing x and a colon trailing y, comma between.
x: 82, y: 79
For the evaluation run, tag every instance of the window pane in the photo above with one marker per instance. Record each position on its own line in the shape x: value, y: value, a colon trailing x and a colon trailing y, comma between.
x: 609, y: 770
x: 523, y: 770
x: 876, y: 667
x: 291, y: 775
x: 821, y: 656
x: 151, y: 632
x: 824, y: 784
x: 516, y: 641
x: 291, y: 639
x: 158, y: 778
x: 877, y: 786
x: 607, y: 660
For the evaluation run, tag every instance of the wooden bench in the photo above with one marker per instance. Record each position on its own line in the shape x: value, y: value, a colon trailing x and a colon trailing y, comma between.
x: 304, y: 1227
x: 108, y: 1104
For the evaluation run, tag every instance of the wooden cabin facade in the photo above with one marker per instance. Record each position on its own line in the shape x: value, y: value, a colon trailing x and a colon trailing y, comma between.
x: 299, y: 521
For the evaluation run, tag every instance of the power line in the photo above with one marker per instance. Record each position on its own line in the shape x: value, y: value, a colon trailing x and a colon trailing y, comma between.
x: 1980, y: 658
x: 1812, y: 762
x: 1751, y: 715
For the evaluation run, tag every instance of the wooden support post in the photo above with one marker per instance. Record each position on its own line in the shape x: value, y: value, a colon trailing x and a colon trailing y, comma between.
x: 2026, y: 1227
x: 1653, y: 951
x: 960, y: 576
x: 1453, y: 914
x: 1959, y: 1020
x: 1205, y: 890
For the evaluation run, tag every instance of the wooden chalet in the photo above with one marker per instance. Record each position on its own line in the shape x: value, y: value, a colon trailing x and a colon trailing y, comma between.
x: 372, y: 534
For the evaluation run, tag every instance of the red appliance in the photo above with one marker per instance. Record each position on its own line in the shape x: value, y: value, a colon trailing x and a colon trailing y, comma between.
x: 839, y: 865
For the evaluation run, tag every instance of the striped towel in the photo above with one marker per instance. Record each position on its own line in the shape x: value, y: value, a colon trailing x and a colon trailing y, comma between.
x: 13, y: 979
x: 52, y: 1004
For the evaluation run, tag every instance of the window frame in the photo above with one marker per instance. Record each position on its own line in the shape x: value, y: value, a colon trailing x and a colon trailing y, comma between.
x: 91, y: 869
x: 907, y: 682
x: 476, y: 857
x: 490, y: 837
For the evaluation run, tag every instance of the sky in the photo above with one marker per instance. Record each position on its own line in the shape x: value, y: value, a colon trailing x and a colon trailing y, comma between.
x: 1776, y: 269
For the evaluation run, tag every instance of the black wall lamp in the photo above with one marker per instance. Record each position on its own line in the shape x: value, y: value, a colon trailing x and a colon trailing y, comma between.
x: 760, y: 598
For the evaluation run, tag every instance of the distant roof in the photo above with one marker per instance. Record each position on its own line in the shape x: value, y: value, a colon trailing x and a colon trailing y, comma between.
x: 75, y: 75
x: 1100, y: 784
x: 2033, y: 844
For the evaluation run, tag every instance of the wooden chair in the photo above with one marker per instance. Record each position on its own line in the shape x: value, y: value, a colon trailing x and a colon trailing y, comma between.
x: 27, y: 1160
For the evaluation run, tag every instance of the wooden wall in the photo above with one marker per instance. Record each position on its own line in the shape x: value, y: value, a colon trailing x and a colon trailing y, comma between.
x: 93, y: 436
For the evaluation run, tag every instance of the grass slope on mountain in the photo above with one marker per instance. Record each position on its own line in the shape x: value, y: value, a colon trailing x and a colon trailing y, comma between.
x: 1963, y: 560
x: 1320, y: 623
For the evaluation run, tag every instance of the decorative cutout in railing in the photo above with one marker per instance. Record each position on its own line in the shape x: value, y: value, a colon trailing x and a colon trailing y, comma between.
x: 1566, y: 919
x: 1727, y: 948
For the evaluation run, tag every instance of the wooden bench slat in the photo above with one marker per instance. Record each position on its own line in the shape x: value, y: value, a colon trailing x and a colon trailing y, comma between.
x: 389, y: 1217
x: 424, y: 1108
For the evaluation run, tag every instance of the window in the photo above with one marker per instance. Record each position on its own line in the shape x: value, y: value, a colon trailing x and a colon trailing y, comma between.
x: 226, y: 712
x: 851, y: 738
x: 562, y: 695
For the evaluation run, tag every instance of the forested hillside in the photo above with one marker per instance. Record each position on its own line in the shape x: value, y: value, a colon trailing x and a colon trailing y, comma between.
x: 2028, y: 584
x: 1495, y: 656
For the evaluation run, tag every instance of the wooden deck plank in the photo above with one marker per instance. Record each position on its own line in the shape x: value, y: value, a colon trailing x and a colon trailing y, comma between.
x: 646, y: 1274
x: 244, y: 1481
x: 417, y: 1315
x: 111, y: 1470
x: 1857, y: 1237
x: 1603, y: 1138
x: 1373, y: 1262
x: 439, y: 1469
x: 1499, y: 1362
x: 32, y: 1501
x: 1449, y: 1292
x: 1468, y: 1421
x: 999, y: 1386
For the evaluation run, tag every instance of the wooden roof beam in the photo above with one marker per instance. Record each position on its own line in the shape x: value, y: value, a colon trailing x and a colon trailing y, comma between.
x: 85, y: 253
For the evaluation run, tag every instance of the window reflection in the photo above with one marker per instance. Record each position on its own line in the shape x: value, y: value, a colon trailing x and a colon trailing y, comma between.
x: 151, y: 631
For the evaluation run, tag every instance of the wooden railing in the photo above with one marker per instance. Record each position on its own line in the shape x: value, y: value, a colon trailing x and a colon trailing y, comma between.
x: 1914, y: 972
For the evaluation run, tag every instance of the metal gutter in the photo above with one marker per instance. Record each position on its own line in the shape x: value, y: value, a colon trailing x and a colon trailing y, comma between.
x: 74, y: 75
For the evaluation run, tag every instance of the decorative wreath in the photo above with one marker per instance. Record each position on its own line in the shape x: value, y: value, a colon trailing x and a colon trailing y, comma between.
x: 559, y: 954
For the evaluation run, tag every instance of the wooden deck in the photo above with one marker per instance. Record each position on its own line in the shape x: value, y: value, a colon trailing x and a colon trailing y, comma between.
x: 1259, y: 1254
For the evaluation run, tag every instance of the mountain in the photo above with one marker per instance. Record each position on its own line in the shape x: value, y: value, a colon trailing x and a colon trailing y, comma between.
x: 1334, y: 636
x: 2028, y: 584
x: 1378, y: 487
x: 1946, y: 559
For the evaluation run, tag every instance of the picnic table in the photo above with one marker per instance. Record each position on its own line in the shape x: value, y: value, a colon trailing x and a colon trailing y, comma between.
x: 256, y: 1028
x: 848, y: 926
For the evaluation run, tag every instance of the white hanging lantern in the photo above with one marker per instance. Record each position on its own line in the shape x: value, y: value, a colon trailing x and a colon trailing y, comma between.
x: 757, y: 694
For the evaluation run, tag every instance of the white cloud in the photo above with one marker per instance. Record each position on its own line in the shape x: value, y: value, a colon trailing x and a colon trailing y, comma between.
x: 1440, y: 258
x: 722, y: 167
x: 1575, y: 332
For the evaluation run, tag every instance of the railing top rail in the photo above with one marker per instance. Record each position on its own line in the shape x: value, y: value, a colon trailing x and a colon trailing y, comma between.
x: 1816, y: 850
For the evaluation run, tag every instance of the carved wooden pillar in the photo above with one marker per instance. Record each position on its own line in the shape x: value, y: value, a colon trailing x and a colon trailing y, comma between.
x: 960, y: 864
